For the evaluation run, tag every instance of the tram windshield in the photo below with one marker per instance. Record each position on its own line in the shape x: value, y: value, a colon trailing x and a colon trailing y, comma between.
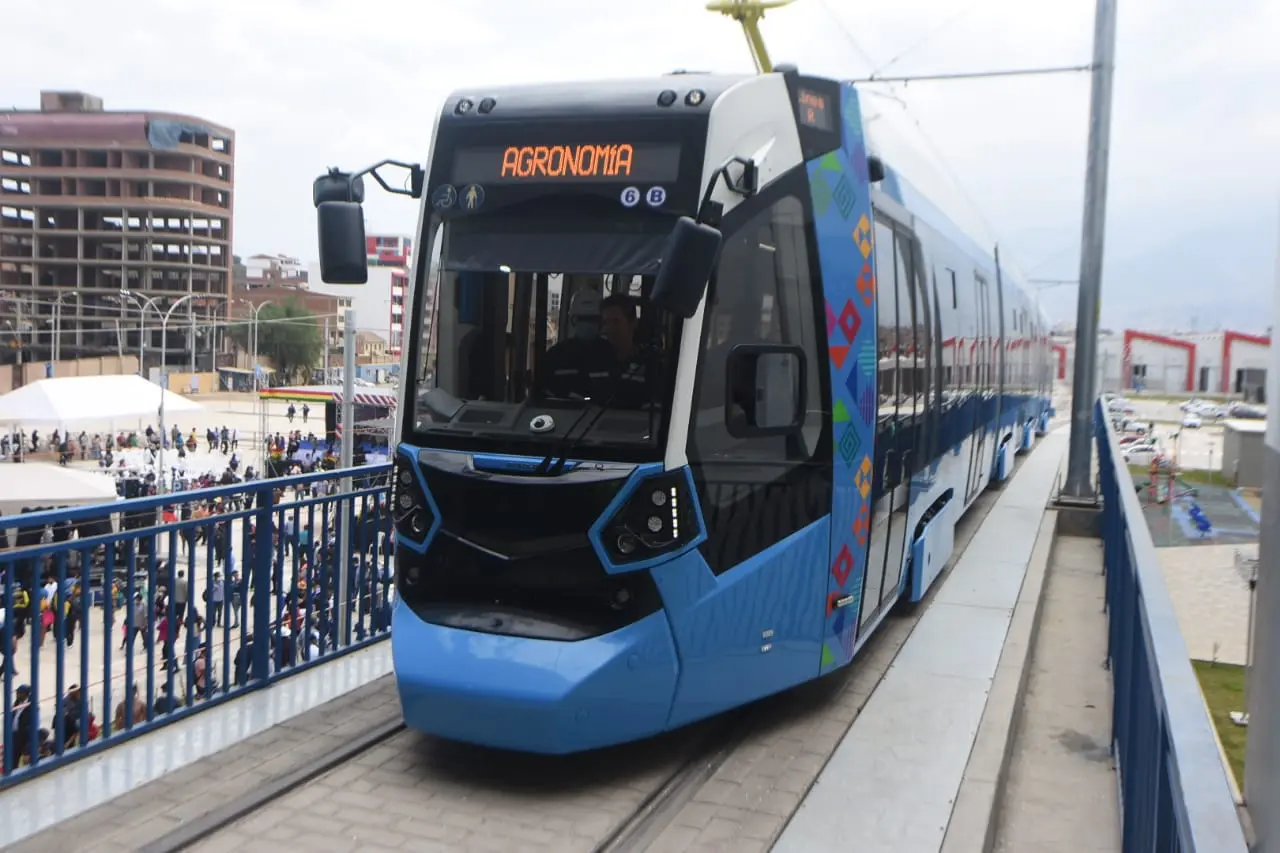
x: 537, y: 332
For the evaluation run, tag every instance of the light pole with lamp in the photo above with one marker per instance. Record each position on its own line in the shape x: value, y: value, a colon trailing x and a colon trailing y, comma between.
x: 143, y: 304
x: 253, y: 335
x: 57, y: 326
x: 164, y: 342
x: 257, y: 309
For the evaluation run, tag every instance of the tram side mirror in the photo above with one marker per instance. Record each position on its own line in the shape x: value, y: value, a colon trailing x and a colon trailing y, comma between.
x: 875, y: 169
x: 343, y: 258
x: 765, y: 390
x: 688, y: 260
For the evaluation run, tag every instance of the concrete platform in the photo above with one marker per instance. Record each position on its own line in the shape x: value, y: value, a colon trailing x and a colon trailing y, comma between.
x: 1060, y: 794
x: 922, y: 765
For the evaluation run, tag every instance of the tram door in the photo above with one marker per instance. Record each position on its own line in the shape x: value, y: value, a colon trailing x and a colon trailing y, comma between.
x: 982, y: 391
x: 896, y: 424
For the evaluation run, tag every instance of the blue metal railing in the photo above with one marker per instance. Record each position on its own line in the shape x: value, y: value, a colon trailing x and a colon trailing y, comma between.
x: 1173, y: 783
x: 99, y: 642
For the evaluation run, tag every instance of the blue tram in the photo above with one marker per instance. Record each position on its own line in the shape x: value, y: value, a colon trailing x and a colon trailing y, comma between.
x: 697, y: 388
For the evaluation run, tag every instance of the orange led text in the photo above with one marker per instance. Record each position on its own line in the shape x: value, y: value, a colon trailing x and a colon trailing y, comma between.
x: 567, y: 161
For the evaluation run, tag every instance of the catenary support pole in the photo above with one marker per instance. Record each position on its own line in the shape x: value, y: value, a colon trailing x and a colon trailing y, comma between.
x: 1079, y: 482
x: 1262, y: 751
x: 347, y: 506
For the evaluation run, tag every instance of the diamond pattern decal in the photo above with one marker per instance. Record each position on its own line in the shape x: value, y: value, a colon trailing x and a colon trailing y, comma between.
x: 862, y: 236
x: 850, y: 444
x: 842, y: 221
x: 844, y: 197
x: 862, y: 524
x: 842, y: 566
x: 850, y: 322
x: 866, y: 285
x: 853, y: 383
x: 864, y: 477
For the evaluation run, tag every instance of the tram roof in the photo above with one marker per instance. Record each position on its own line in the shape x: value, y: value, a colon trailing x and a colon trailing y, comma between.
x: 638, y: 96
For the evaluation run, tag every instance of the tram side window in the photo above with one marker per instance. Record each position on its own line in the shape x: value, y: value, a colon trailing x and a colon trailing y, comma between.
x: 761, y: 295
x: 886, y: 322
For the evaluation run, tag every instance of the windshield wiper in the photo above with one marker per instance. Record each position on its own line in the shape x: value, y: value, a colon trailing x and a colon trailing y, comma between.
x: 569, y: 443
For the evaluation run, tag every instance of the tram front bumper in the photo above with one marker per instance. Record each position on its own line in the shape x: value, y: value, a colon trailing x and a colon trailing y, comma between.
x: 531, y: 695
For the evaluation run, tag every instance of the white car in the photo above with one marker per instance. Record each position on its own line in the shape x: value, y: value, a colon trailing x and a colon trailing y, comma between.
x: 1141, y: 454
x: 1191, y: 421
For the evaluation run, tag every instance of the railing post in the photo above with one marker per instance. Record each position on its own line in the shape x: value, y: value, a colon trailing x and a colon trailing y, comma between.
x: 260, y: 579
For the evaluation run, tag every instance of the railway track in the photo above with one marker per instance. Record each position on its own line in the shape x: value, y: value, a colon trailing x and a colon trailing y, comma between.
x: 741, y: 774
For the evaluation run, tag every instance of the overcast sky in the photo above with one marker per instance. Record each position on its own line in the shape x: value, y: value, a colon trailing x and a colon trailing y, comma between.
x: 306, y: 84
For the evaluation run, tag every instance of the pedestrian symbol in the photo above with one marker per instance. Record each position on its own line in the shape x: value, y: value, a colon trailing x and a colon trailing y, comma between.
x: 655, y: 197
x: 473, y: 197
x: 630, y: 196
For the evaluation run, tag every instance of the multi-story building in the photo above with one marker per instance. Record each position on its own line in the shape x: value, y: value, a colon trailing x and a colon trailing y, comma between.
x: 274, y: 271
x: 107, y: 219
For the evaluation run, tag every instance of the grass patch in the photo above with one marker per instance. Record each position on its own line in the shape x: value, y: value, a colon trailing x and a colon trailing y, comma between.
x: 1223, y: 686
x: 1204, y: 477
x: 1191, y: 476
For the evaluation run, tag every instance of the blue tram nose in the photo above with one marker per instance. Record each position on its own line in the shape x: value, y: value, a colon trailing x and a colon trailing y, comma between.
x: 545, y: 696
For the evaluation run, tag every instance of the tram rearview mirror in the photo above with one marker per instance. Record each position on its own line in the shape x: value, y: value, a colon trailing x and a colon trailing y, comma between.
x: 688, y: 259
x: 343, y: 258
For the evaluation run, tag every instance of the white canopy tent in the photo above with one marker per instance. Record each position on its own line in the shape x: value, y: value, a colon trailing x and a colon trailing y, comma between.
x: 36, y: 484
x: 89, y: 398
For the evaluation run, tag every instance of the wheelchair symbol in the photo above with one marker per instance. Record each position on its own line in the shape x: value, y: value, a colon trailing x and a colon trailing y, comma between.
x: 630, y: 197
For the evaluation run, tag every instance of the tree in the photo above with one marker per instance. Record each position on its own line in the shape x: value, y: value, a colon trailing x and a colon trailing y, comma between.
x: 289, y: 335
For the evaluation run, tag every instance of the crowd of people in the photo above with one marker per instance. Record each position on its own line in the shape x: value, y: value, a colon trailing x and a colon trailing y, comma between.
x: 154, y: 607
x: 126, y: 576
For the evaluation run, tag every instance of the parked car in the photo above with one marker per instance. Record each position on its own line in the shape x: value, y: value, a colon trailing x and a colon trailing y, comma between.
x: 1141, y: 454
x: 1191, y: 421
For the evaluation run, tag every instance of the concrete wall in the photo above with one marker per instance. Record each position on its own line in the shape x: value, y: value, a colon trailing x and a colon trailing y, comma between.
x: 15, y: 376
x: 193, y: 383
x: 1243, y: 456
x: 1166, y: 366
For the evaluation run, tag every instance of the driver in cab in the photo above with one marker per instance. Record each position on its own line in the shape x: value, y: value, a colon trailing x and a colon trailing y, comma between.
x: 600, y: 362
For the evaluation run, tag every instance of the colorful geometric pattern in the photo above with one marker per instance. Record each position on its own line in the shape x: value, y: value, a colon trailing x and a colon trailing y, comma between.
x: 842, y: 221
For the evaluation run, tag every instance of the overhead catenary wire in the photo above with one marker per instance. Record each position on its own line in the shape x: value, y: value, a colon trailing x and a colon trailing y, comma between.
x: 975, y: 75
x: 894, y: 82
x: 922, y: 41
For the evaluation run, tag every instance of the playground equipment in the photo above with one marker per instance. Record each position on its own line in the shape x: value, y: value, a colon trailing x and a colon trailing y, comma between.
x: 1203, y: 525
x: 1164, y: 485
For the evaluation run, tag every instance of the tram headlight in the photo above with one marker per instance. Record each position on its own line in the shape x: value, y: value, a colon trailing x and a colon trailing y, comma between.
x: 658, y: 519
x: 410, y: 509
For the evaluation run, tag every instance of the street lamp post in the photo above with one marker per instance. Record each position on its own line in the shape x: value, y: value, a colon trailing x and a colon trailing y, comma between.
x: 164, y: 343
x: 256, y: 311
x: 143, y: 303
x: 253, y: 336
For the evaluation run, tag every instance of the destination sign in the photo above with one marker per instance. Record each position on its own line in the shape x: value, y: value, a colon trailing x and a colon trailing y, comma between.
x: 644, y: 163
x: 813, y: 109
